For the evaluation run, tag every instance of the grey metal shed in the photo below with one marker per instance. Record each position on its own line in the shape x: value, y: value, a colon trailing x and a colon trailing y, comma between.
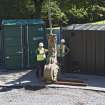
x: 87, y: 43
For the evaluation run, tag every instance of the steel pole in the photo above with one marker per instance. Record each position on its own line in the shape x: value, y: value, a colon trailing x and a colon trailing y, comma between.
x: 50, y: 18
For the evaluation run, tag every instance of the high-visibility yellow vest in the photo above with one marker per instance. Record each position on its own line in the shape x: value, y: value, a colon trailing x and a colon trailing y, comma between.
x: 41, y: 55
x: 61, y: 51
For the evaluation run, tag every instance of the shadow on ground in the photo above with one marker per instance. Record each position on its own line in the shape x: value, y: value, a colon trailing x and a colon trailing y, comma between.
x: 9, y: 88
x: 7, y: 71
x: 91, y: 80
x: 29, y: 81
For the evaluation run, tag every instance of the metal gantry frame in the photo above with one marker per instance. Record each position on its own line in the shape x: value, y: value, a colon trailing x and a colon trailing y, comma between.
x: 22, y: 46
x: 50, y: 18
x: 28, y: 50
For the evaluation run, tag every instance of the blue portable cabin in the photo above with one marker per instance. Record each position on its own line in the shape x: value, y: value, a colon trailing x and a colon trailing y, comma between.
x: 21, y: 37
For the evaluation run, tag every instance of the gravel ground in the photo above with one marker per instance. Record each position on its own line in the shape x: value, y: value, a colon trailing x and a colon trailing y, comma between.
x: 49, y: 96
x: 52, y: 96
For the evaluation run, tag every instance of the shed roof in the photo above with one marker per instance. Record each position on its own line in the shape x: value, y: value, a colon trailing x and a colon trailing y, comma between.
x: 22, y: 21
x: 85, y: 27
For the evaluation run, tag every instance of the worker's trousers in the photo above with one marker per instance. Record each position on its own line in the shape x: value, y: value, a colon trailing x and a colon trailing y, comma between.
x: 61, y: 64
x: 40, y: 69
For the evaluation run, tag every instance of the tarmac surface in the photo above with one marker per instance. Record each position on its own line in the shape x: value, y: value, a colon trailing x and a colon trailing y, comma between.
x: 28, y: 77
x: 31, y: 91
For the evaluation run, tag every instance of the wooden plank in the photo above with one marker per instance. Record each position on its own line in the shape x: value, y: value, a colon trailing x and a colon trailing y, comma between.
x: 70, y: 83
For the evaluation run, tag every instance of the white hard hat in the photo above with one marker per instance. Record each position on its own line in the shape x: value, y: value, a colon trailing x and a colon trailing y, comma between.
x: 62, y: 41
x: 41, y: 44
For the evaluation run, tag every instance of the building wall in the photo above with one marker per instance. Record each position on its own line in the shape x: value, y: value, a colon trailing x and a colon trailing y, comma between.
x: 19, y: 45
x: 87, y: 51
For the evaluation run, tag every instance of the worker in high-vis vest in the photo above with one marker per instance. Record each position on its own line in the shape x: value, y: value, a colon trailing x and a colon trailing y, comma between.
x: 63, y: 50
x: 41, y: 58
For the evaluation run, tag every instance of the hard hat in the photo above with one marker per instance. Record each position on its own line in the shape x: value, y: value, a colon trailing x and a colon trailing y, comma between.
x: 41, y: 44
x: 62, y: 41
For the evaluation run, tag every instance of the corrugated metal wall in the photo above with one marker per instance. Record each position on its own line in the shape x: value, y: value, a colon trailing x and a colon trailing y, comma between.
x: 13, y: 47
x: 35, y: 34
x: 20, y: 43
x: 87, y: 51
x: 1, y: 50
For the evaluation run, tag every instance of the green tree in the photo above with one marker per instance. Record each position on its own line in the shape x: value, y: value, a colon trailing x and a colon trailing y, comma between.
x: 38, y: 7
x: 82, y: 11
x: 76, y: 11
x: 16, y: 8
x: 56, y: 12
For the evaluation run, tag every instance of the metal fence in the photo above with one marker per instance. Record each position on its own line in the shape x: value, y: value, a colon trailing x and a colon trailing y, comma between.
x: 19, y: 42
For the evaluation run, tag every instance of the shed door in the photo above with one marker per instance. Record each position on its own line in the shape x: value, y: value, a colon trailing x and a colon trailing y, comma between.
x: 35, y: 34
x: 13, y: 47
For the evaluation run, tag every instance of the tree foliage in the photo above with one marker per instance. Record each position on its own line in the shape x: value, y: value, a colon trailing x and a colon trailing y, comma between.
x: 56, y: 12
x: 16, y: 8
x: 63, y: 11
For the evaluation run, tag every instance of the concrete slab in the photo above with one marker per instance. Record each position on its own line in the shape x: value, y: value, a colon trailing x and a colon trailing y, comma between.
x: 91, y: 80
x: 77, y: 87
